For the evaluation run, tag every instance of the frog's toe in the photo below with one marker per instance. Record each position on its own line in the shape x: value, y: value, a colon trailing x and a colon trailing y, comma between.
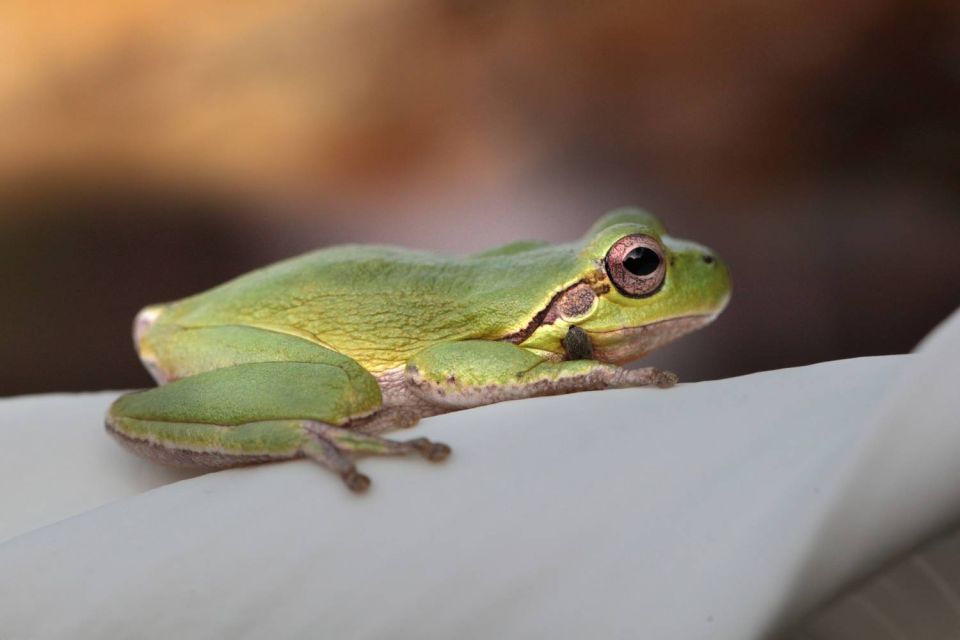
x: 432, y: 451
x: 355, y: 481
x: 666, y: 379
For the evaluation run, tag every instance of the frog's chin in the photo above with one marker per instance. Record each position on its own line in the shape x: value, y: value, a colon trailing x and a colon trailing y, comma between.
x: 620, y: 346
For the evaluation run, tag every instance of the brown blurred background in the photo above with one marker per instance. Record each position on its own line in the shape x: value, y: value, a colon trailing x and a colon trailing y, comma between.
x: 149, y: 150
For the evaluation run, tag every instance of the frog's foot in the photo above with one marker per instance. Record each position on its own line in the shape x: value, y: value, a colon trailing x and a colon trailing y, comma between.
x: 645, y: 377
x: 333, y: 447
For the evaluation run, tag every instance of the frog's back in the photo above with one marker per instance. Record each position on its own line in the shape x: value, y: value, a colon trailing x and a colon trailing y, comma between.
x: 379, y: 305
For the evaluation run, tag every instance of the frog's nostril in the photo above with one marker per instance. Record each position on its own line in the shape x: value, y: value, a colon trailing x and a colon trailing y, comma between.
x: 707, y: 258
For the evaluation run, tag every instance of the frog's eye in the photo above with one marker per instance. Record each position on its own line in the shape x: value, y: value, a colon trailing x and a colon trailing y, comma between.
x: 636, y: 266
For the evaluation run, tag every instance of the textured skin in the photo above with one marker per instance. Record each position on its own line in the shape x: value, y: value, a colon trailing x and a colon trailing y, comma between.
x: 291, y: 359
x: 382, y: 305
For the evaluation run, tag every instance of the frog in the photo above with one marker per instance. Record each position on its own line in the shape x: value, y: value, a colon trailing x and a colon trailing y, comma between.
x: 321, y: 355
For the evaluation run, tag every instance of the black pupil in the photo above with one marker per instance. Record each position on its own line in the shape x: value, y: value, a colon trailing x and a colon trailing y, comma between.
x: 641, y: 261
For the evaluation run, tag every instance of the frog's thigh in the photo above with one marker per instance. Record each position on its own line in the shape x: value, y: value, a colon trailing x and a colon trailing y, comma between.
x: 247, y: 412
x: 173, y: 352
x: 477, y: 372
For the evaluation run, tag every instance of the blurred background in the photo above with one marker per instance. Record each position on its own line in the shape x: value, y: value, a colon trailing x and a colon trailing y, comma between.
x: 149, y: 150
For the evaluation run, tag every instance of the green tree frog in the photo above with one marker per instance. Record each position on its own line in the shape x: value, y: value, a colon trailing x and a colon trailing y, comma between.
x: 321, y: 354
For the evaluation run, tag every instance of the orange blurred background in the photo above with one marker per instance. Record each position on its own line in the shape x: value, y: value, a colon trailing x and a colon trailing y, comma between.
x: 149, y: 150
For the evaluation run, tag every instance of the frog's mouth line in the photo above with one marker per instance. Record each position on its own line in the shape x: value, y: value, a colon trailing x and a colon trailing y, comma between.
x: 620, y: 346
x: 703, y: 318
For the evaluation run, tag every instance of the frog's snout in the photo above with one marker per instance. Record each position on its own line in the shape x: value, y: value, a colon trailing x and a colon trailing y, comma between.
x: 716, y: 279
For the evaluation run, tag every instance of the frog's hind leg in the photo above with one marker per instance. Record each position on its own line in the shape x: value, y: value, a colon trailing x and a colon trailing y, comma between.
x: 208, y: 446
x: 258, y: 412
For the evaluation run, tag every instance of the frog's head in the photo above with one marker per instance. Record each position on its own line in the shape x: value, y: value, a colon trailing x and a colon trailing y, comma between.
x: 641, y: 289
x: 653, y: 289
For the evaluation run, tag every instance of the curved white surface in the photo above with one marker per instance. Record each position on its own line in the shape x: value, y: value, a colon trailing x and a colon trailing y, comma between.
x: 710, y: 510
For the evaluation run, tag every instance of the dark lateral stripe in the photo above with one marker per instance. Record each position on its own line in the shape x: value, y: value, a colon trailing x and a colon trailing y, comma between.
x: 538, y: 320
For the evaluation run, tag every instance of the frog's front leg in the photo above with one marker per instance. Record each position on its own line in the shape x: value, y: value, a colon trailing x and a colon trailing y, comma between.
x: 258, y: 412
x: 477, y: 372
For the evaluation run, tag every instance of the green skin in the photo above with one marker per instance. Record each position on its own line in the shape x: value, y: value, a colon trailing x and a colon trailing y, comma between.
x: 320, y: 354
